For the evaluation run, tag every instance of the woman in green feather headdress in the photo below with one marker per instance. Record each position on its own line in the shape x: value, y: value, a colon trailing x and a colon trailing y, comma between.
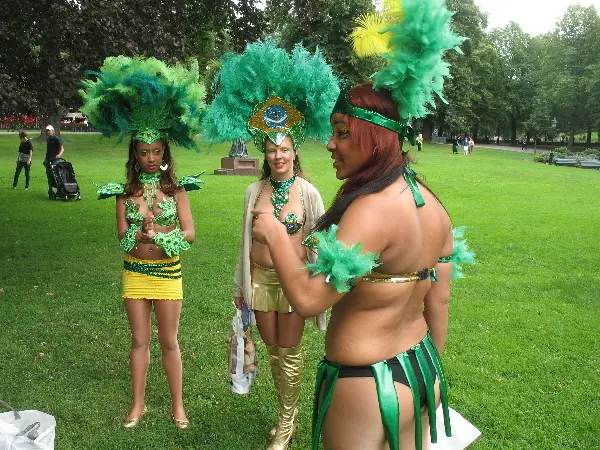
x: 383, y: 248
x: 279, y: 98
x: 158, y: 105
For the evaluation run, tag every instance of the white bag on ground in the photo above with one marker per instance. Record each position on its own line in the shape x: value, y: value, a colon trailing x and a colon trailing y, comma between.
x: 27, y: 430
x: 243, y: 365
x: 463, y: 432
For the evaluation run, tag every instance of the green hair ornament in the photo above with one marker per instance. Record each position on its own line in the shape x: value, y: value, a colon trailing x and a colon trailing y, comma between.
x: 412, y: 36
x: 146, y: 97
x: 268, y: 93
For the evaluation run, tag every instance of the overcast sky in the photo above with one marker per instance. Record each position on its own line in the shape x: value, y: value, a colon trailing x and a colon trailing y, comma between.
x: 534, y: 16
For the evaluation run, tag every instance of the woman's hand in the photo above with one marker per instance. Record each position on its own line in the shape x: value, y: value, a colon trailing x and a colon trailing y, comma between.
x: 147, y: 233
x: 264, y: 225
x: 239, y: 302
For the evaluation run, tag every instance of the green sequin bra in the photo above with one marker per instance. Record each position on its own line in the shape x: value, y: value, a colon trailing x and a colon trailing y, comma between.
x: 279, y: 198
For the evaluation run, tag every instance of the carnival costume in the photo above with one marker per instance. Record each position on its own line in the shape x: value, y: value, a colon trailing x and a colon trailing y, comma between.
x: 412, y: 36
x: 268, y: 93
x: 152, y: 101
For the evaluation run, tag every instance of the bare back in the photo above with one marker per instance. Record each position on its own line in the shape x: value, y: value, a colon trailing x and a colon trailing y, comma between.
x: 377, y: 321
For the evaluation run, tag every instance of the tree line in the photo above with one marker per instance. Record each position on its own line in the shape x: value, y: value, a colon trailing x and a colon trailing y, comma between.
x: 508, y: 83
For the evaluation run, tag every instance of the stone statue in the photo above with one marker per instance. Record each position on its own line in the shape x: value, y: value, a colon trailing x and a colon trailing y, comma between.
x: 238, y: 149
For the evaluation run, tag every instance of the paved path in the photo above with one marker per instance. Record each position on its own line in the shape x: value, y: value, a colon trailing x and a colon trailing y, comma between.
x: 499, y: 147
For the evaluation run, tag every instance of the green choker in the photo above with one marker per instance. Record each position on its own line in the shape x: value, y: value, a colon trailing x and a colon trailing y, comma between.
x: 281, y: 194
x: 151, y: 182
x: 343, y: 106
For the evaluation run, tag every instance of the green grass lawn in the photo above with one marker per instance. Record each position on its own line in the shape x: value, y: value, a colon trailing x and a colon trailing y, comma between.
x: 523, y: 355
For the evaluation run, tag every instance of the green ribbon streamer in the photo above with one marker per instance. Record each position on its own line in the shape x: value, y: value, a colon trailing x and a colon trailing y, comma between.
x: 414, y: 388
x: 327, y: 373
x: 429, y: 391
x: 410, y: 178
x: 388, y: 402
x: 435, y: 358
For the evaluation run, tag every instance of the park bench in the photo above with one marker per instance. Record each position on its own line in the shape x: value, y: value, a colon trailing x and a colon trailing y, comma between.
x: 565, y: 161
x: 438, y: 139
x: 591, y: 164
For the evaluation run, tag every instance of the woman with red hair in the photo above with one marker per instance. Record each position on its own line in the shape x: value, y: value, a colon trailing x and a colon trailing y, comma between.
x: 383, y: 248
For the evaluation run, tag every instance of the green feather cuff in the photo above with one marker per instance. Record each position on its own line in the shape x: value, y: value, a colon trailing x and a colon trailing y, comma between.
x: 172, y: 242
x: 109, y: 190
x: 129, y: 241
x: 341, y: 264
x: 190, y: 182
x: 461, y: 254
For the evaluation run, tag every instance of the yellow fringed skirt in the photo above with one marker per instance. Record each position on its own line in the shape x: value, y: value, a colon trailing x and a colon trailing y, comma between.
x: 267, y: 294
x: 152, y: 279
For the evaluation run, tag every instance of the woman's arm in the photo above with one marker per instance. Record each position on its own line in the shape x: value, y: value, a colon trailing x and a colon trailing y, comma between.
x: 184, y: 214
x: 122, y: 223
x: 238, y: 277
x: 436, y: 299
x: 312, y: 295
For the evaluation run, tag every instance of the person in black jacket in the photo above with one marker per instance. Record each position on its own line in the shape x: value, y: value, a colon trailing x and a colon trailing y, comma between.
x: 24, y: 159
x: 54, y: 149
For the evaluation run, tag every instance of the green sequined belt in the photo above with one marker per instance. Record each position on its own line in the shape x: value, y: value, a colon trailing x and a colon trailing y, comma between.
x: 328, y: 374
x: 168, y: 268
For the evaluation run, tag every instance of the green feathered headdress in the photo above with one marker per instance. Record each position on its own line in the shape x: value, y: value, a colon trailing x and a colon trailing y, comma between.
x: 412, y: 36
x: 267, y: 92
x: 146, y: 97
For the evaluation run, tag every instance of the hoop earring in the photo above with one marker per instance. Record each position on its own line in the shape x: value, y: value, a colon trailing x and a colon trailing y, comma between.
x: 164, y: 167
x: 373, y: 152
x: 136, y: 167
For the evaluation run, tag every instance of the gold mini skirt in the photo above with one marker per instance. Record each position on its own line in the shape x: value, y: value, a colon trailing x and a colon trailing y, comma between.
x: 267, y: 295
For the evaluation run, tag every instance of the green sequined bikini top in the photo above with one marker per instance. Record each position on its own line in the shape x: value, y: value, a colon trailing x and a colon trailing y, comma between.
x: 279, y: 198
x: 168, y: 215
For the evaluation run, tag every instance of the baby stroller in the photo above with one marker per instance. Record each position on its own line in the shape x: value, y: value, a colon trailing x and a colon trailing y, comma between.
x: 64, y: 180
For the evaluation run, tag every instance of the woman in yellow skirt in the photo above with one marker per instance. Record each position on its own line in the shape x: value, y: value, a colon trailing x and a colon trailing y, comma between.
x: 154, y: 220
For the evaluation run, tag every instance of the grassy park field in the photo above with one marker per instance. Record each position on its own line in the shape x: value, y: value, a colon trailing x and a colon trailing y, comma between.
x: 523, y: 354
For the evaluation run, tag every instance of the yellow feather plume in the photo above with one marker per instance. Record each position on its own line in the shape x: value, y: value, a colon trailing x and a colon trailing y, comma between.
x: 367, y: 39
x: 393, y: 9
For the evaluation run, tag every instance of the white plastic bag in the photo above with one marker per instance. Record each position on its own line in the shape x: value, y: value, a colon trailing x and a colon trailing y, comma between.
x: 242, y: 361
x: 27, y: 430
x: 463, y: 432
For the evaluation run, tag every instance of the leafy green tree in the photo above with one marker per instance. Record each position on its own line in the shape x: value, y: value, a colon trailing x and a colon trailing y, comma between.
x: 326, y: 24
x: 247, y: 22
x: 49, y: 45
x: 459, y: 115
x: 578, y: 53
x: 513, y: 46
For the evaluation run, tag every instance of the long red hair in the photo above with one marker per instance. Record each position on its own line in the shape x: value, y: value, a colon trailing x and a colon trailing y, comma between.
x: 386, y: 162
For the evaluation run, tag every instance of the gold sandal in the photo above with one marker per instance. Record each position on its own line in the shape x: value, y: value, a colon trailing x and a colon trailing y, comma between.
x: 131, y: 423
x: 179, y: 423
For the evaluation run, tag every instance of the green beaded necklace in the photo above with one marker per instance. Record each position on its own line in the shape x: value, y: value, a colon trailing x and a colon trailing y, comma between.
x: 151, y: 182
x: 281, y: 194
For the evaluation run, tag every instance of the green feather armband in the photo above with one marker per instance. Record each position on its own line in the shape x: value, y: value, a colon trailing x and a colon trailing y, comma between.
x: 461, y: 254
x: 129, y: 240
x: 109, y: 190
x: 341, y: 264
x: 172, y: 242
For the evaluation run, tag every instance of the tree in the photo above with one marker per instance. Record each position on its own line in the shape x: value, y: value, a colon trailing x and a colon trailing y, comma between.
x: 49, y: 45
x: 458, y: 116
x: 578, y: 49
x: 513, y: 46
x: 326, y: 24
x: 247, y: 23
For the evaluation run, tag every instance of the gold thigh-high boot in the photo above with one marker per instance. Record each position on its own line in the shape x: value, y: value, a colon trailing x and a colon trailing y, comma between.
x: 273, y: 351
x: 290, y: 360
